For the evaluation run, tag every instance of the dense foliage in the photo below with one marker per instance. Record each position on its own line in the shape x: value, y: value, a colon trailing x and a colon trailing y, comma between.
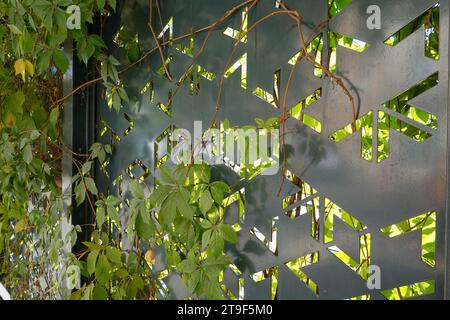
x: 183, y: 214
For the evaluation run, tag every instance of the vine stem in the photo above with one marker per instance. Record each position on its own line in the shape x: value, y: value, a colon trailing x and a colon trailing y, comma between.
x: 160, y: 49
x: 227, y: 66
x: 208, y: 29
x: 211, y: 28
x: 298, y: 19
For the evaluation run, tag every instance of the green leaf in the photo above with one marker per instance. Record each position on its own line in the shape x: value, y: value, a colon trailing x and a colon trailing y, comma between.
x: 203, y: 171
x: 100, y: 293
x: 80, y: 193
x: 260, y: 122
x: 206, y: 202
x: 122, y: 273
x: 136, y: 190
x: 20, y: 226
x: 101, y: 4
x: 112, y: 4
x: 206, y: 224
x: 183, y: 204
x: 166, y: 175
x: 14, y: 103
x: 133, y: 51
x: 221, y: 261
x: 187, y: 266
x: 14, y: 29
x: 28, y: 42
x: 123, y: 94
x: 90, y: 184
x: 134, y: 286
x: 197, y: 191
x: 108, y: 148
x: 34, y: 135
x: 168, y: 210
x: 218, y: 189
x: 98, y: 152
x: 43, y: 60
x: 73, y: 275
x: 93, y: 246
x: 117, y: 102
x: 92, y: 261
x: 172, y: 257
x: 100, y: 217
x: 194, y: 280
x: 114, y: 255
x: 113, y: 213
x: 159, y: 195
x: 54, y: 117
x: 114, y: 61
x: 228, y: 233
x: 213, y: 291
x: 206, y: 238
x: 144, y: 230
x: 86, y: 167
x: 216, y: 245
x: 60, y: 60
x: 112, y: 201
x: 103, y: 270
x: 31, y: 21
x: 191, y: 236
x: 97, y: 41
x: 27, y: 154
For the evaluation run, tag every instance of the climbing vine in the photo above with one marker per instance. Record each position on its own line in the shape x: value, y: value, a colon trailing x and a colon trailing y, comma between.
x: 183, y: 213
x: 36, y: 262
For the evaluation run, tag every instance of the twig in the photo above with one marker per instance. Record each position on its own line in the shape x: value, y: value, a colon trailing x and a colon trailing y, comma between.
x: 160, y: 49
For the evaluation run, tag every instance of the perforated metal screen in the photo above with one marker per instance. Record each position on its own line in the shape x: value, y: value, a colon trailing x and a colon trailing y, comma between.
x: 375, y: 196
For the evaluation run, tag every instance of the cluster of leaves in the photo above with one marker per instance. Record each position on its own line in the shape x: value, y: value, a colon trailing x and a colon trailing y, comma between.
x: 35, y: 252
x: 184, y: 215
x: 191, y: 212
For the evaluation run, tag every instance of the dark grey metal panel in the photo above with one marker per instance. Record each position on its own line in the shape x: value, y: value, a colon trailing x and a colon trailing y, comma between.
x: 412, y: 181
